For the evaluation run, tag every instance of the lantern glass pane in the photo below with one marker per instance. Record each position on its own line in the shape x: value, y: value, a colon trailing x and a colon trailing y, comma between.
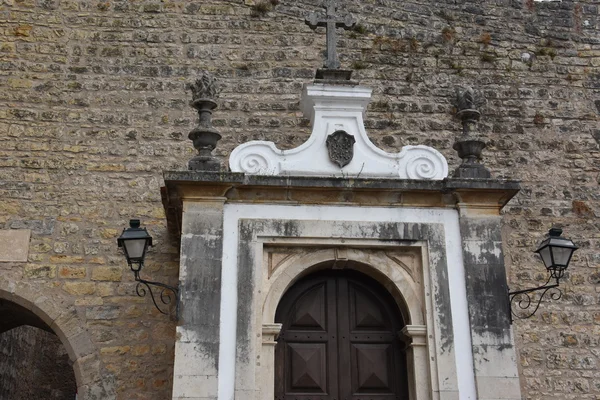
x: 546, y: 258
x: 561, y: 255
x: 135, y: 248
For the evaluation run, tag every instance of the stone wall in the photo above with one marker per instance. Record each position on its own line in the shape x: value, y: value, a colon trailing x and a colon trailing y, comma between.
x: 93, y: 109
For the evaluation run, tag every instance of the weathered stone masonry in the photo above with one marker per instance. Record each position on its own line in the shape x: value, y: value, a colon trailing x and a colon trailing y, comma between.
x: 93, y: 109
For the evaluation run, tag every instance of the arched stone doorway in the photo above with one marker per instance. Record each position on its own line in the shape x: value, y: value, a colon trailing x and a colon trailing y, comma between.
x: 397, y: 274
x: 33, y: 361
x: 339, y: 340
x: 273, y: 255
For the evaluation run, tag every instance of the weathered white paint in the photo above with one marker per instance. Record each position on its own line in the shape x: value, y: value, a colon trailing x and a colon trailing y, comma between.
x: 456, y: 279
x: 332, y: 108
x: 190, y: 381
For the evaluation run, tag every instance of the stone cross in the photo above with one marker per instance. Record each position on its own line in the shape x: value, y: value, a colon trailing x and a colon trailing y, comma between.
x: 331, y: 19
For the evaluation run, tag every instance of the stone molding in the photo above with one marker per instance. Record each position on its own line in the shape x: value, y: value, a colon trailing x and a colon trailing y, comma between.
x: 409, y: 294
x: 270, y: 332
x: 417, y: 334
x: 331, y: 109
x: 305, y: 246
x: 483, y: 197
x: 237, y: 355
x: 417, y: 356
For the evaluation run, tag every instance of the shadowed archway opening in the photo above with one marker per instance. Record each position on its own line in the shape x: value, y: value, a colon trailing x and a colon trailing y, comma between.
x: 339, y: 340
x: 34, y: 364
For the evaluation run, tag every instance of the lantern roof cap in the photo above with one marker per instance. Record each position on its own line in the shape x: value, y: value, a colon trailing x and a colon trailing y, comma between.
x: 134, y: 232
x: 555, y: 239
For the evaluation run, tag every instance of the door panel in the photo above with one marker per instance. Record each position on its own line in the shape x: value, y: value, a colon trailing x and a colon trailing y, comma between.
x: 310, y: 310
x: 307, y: 369
x: 366, y: 311
x: 372, y: 368
x: 339, y: 341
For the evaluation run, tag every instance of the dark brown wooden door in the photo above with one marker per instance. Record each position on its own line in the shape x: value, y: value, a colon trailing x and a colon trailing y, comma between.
x: 339, y: 341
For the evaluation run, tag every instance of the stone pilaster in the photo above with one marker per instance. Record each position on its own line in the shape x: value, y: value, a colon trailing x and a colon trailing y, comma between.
x: 197, y: 346
x: 266, y: 375
x: 494, y: 355
x: 417, y: 358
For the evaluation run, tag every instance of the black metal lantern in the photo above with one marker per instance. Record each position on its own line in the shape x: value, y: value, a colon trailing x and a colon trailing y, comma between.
x: 135, y: 242
x: 556, y: 252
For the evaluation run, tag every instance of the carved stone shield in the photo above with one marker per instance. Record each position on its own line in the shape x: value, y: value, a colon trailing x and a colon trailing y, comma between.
x: 340, y: 145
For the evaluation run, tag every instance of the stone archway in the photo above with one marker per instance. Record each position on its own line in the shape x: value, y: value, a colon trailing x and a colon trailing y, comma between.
x: 404, y: 283
x: 34, y: 364
x: 52, y: 313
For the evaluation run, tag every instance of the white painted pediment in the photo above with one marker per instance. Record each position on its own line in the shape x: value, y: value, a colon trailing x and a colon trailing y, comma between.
x: 333, y: 108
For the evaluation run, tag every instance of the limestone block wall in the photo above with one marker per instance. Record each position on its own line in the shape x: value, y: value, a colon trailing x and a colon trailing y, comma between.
x: 93, y: 108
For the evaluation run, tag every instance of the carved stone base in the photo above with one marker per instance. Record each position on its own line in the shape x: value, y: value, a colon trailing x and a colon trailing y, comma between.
x: 204, y: 163
x: 477, y: 171
x: 334, y: 74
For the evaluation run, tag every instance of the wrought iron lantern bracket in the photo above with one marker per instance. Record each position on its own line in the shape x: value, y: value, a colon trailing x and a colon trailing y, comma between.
x: 523, y: 299
x: 162, y: 300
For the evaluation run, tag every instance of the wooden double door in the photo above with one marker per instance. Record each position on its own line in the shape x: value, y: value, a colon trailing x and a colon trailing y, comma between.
x: 339, y: 341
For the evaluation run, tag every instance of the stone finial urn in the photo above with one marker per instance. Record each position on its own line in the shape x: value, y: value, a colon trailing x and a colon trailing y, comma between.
x: 469, y: 144
x: 205, y: 137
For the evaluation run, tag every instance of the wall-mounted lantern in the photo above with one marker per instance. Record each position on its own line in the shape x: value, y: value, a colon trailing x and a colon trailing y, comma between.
x: 135, y: 242
x: 556, y: 252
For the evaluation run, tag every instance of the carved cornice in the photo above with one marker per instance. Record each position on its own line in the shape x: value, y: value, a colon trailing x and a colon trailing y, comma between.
x: 416, y: 335
x: 480, y: 196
